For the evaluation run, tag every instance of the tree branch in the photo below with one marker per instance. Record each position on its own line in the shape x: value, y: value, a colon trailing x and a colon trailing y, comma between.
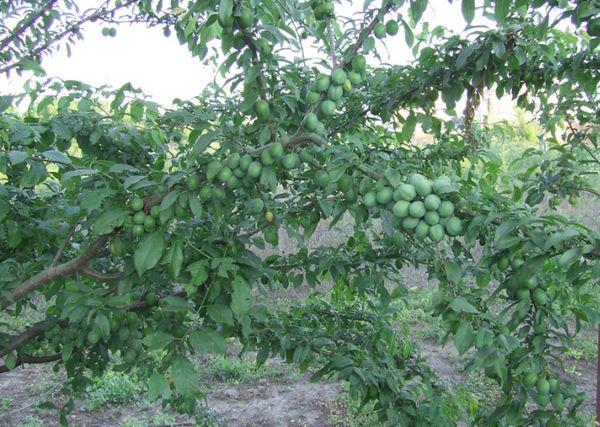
x: 26, y: 24
x: 64, y: 244
x: 55, y: 272
x: 32, y: 359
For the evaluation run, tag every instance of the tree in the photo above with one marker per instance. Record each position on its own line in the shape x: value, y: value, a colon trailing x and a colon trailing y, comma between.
x: 133, y: 228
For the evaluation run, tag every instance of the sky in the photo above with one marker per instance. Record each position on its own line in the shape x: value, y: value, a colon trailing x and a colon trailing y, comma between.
x: 164, y: 69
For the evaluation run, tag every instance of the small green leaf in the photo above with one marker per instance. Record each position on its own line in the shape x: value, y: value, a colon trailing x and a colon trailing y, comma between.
x: 468, y: 10
x: 158, y: 340
x: 453, y: 271
x: 149, y: 252
x: 241, y: 299
x: 208, y: 341
x: 461, y: 304
x: 101, y: 322
x: 220, y: 313
x: 464, y: 337
x: 501, y: 9
x: 109, y: 220
x: 158, y: 386
x: 185, y: 377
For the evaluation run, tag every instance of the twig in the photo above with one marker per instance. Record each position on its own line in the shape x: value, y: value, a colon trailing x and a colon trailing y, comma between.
x: 26, y: 24
x: 64, y: 244
x: 331, y: 43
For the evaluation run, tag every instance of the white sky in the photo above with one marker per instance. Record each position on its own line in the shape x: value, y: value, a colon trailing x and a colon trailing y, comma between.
x: 165, y: 70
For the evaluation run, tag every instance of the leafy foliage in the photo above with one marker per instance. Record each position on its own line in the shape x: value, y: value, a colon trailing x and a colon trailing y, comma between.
x: 138, y: 226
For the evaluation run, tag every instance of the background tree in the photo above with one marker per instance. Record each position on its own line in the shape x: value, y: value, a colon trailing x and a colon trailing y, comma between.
x: 135, y: 227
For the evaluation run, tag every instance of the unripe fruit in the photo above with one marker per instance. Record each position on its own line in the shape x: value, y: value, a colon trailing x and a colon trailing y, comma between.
x: 290, y: 161
x: 245, y: 162
x: 432, y: 218
x: 345, y: 183
x: 446, y: 209
x: 442, y: 184
x: 517, y: 263
x: 224, y: 174
x: 245, y: 18
x: 405, y: 192
x: 523, y: 294
x: 270, y: 217
x: 335, y: 93
x: 256, y: 205
x: 542, y: 386
x: 558, y: 402
x: 347, y: 86
x: 311, y: 122
x: 276, y: 150
x: 542, y: 399
x: 306, y: 156
x: 379, y: 30
x: 530, y: 379
x: 359, y: 63
x: 409, y: 223
x: 370, y: 199
x: 151, y: 299
x: 137, y: 204
x: 239, y: 173
x: 572, y: 200
x: 354, y: 78
x: 328, y: 108
x: 205, y: 193
x: 149, y: 223
x: 540, y: 297
x: 93, y: 336
x: 139, y: 217
x: 400, y: 208
x: 263, y: 46
x: 437, y: 233
x: 392, y: 28
x: 422, y: 230
x: 530, y: 283
x: 432, y: 202
x: 553, y: 385
x: 423, y: 187
x: 138, y: 230
x: 454, y: 226
x: 503, y: 263
x: 233, y: 161
x: 312, y: 97
x: 232, y: 183
x: 265, y: 158
x: 384, y: 196
x: 417, y: 209
x: 322, y: 84
x: 338, y: 76
x: 154, y: 212
x: 263, y: 111
x: 322, y: 178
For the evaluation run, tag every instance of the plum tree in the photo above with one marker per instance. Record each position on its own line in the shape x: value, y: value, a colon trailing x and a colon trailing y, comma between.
x: 133, y: 228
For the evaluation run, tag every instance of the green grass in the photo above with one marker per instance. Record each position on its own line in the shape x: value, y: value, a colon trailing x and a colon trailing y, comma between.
x: 346, y: 411
x: 584, y: 347
x: 240, y: 370
x: 414, y: 310
x: 114, y: 388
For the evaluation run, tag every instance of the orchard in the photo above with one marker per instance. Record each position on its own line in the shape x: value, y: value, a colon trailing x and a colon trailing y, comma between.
x: 136, y: 229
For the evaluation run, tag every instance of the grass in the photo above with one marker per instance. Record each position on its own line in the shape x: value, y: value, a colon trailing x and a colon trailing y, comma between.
x: 114, y: 388
x: 241, y: 370
x: 346, y: 411
x: 414, y: 310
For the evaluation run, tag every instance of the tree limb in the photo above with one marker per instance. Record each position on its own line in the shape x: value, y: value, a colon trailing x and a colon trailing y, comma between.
x: 55, y: 272
x: 64, y: 244
x: 26, y: 24
x: 32, y: 359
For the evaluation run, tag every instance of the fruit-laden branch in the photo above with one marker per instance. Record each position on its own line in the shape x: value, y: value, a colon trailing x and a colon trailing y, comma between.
x: 61, y: 270
x: 71, y: 28
x: 20, y: 29
x: 29, y: 334
x: 32, y: 359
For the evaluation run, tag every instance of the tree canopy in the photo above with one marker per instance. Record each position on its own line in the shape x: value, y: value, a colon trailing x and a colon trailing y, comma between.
x: 136, y: 230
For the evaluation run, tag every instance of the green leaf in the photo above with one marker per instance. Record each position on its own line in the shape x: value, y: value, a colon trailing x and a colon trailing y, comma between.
x: 242, y: 297
x: 199, y: 274
x: 77, y: 173
x: 464, y: 337
x: 15, y: 157
x: 101, y: 322
x: 109, y: 220
x: 208, y: 341
x: 168, y: 200
x: 175, y: 304
x: 10, y: 360
x: 195, y: 205
x: 461, y: 304
x: 57, y: 157
x: 417, y: 8
x: 501, y: 9
x: 175, y: 259
x: 453, y: 272
x: 558, y: 237
x: 158, y: 340
x: 220, y: 313
x: 149, y: 252
x: 185, y: 377
x: 158, y: 386
x: 468, y: 10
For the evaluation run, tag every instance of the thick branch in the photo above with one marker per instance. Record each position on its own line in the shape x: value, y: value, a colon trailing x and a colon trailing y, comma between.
x: 51, y: 273
x: 32, y: 359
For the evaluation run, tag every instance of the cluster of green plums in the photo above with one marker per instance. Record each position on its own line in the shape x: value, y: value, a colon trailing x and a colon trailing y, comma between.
x: 418, y: 206
x: 390, y: 28
x: 544, y: 390
x: 323, y: 9
x: 140, y: 222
